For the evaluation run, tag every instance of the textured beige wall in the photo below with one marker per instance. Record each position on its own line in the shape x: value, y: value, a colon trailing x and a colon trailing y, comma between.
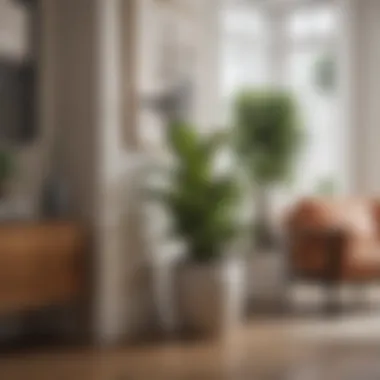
x: 75, y: 93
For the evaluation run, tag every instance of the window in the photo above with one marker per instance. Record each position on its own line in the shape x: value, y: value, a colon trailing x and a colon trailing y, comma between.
x: 291, y: 46
x: 244, y: 58
x: 312, y: 21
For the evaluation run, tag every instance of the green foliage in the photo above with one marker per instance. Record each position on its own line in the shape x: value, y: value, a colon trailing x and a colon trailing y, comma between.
x: 202, y: 205
x: 267, y: 134
x: 6, y: 166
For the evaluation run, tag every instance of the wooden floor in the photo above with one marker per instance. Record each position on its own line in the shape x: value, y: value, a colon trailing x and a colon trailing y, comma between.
x: 277, y: 350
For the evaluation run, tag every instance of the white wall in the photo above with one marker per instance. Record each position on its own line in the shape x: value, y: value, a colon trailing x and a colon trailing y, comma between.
x: 363, y: 106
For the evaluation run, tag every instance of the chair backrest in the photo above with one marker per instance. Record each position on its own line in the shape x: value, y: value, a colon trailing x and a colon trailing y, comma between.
x: 357, y: 216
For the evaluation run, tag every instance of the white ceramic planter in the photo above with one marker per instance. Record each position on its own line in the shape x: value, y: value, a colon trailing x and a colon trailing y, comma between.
x: 211, y: 296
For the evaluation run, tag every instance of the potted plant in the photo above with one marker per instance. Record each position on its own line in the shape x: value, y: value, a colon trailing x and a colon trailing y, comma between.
x: 267, y: 141
x: 202, y: 206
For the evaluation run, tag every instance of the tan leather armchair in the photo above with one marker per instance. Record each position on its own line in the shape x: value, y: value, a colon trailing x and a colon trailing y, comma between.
x: 334, y: 240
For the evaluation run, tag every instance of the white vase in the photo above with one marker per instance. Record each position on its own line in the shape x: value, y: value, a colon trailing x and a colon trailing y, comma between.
x: 211, y: 296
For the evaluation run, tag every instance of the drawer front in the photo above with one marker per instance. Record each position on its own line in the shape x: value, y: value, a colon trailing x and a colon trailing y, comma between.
x: 40, y: 265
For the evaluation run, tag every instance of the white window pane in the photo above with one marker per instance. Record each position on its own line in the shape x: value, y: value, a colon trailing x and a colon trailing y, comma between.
x: 244, y: 65
x: 243, y: 21
x: 243, y: 52
x: 319, y: 114
x: 312, y: 22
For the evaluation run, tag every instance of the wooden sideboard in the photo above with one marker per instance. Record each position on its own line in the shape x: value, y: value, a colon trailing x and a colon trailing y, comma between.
x: 41, y: 264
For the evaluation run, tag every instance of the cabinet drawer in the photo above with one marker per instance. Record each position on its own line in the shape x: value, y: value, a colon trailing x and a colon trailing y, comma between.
x: 40, y: 264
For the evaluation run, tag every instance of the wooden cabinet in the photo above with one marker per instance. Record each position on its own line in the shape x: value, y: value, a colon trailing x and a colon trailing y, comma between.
x: 41, y: 264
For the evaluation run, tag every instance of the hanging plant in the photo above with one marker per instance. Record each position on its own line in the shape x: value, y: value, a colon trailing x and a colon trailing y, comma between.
x: 326, y: 73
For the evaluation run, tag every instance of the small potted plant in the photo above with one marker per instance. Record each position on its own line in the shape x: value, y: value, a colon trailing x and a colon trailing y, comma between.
x: 203, y: 209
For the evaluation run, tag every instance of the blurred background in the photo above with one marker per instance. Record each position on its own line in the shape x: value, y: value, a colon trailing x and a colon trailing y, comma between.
x: 191, y: 183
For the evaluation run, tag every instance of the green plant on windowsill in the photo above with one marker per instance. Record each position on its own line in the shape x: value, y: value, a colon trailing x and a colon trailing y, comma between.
x: 268, y: 138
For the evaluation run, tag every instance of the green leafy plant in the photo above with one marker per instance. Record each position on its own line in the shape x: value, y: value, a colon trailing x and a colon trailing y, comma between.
x: 268, y: 134
x: 201, y: 204
x: 268, y: 138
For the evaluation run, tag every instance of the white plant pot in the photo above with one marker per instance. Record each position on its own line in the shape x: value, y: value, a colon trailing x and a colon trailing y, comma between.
x: 211, y: 296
